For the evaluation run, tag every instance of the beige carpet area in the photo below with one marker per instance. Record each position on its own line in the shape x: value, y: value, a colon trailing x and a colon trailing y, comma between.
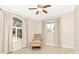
x: 44, y: 50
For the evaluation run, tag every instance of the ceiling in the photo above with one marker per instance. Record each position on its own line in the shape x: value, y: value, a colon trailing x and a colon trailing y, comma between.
x: 30, y: 14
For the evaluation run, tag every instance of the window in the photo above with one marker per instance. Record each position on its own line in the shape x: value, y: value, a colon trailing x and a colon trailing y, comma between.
x: 17, y: 22
x: 19, y: 33
x: 50, y: 27
x: 17, y: 29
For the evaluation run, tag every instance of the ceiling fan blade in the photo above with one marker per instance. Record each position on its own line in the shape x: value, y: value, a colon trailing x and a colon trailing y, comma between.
x: 44, y: 11
x: 46, y: 6
x: 37, y: 12
x: 32, y: 8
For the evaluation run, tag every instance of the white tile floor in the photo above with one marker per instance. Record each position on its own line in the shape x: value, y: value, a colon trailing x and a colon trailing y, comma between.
x: 44, y: 50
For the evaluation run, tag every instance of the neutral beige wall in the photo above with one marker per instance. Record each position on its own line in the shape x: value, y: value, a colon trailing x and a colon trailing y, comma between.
x: 67, y: 29
x: 77, y: 28
x: 34, y: 27
x: 67, y: 25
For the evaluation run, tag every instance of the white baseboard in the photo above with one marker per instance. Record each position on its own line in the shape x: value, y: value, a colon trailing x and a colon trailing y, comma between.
x: 49, y: 44
x: 60, y: 46
x: 17, y: 49
x: 68, y: 47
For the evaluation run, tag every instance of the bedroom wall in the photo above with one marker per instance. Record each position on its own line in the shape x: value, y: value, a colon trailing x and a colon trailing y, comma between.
x: 66, y: 32
x: 77, y: 28
x: 67, y: 29
x: 34, y: 27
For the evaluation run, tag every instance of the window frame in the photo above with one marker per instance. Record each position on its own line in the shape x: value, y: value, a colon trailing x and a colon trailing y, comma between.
x: 16, y: 30
x: 50, y: 29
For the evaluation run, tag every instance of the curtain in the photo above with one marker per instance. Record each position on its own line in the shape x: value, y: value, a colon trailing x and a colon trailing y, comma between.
x: 56, y: 34
x: 7, y: 35
x: 24, y: 33
x: 43, y: 32
x: 6, y: 30
x: 1, y: 31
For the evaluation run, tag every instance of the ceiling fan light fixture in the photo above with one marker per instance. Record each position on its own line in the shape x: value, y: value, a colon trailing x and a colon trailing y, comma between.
x: 39, y: 9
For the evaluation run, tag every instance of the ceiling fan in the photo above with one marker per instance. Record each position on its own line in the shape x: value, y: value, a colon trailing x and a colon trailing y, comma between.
x: 40, y: 8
